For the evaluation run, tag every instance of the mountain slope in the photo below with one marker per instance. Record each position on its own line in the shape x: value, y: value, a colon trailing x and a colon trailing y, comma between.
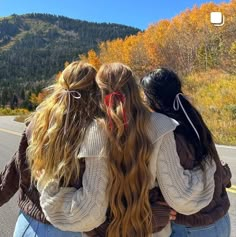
x: 33, y: 47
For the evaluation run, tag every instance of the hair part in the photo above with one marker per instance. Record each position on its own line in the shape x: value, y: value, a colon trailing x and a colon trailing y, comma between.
x: 129, y: 152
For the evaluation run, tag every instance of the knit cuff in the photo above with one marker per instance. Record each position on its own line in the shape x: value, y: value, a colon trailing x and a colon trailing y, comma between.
x: 160, y: 216
x: 91, y: 233
x: 226, y: 175
x: 51, y: 188
x: 100, y: 231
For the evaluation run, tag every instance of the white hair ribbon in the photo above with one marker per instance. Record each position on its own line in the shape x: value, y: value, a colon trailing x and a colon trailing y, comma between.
x: 76, y: 95
x: 176, y: 104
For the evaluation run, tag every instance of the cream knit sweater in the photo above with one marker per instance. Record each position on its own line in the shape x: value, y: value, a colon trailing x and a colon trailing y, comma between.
x: 186, y: 191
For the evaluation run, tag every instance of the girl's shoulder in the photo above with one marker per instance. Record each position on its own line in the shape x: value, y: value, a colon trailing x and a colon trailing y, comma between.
x: 160, y: 125
x: 94, y: 141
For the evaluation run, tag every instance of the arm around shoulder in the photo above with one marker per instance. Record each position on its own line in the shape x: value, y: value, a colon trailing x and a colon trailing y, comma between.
x: 186, y: 191
x: 79, y: 210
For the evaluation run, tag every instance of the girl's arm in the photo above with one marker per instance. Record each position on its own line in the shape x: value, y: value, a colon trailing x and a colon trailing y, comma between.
x: 9, y: 181
x: 78, y: 210
x: 10, y: 177
x: 186, y: 191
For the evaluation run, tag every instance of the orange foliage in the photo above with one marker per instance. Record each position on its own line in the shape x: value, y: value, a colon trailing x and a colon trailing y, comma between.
x: 187, y: 43
x: 203, y: 54
x: 94, y: 59
x: 37, y: 99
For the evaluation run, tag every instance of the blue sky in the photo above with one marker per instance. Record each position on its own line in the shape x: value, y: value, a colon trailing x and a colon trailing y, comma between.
x: 137, y: 13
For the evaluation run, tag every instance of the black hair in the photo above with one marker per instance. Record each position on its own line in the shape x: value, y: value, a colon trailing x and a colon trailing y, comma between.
x: 161, y: 87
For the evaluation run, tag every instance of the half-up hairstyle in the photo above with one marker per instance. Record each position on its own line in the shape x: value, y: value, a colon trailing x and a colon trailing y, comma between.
x: 128, y: 151
x: 161, y: 88
x: 60, y: 121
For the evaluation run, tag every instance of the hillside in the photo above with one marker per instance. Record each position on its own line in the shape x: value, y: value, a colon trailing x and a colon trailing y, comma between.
x: 202, y: 54
x: 33, y: 47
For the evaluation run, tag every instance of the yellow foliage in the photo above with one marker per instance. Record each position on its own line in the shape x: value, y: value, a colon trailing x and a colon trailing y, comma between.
x: 8, y: 111
x: 186, y: 43
x: 37, y: 99
x: 193, y: 47
x: 93, y: 59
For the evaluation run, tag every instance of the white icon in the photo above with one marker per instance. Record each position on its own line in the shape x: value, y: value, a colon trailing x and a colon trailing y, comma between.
x: 217, y: 18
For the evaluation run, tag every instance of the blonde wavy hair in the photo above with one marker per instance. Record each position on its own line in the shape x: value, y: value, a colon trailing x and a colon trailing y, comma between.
x: 53, y: 147
x: 129, y: 150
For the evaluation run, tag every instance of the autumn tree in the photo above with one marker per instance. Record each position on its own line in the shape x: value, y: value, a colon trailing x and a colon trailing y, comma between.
x: 187, y: 43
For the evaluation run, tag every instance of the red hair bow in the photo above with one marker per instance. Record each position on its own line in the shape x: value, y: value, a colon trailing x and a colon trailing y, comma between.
x: 109, y: 102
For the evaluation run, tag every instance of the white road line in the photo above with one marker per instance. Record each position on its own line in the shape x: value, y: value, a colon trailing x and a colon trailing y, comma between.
x: 231, y: 190
x: 10, y: 132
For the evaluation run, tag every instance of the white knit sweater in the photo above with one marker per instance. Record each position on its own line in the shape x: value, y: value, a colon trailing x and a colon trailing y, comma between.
x: 186, y: 191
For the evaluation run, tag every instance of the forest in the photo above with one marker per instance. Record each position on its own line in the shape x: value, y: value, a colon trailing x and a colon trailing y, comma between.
x: 34, y: 47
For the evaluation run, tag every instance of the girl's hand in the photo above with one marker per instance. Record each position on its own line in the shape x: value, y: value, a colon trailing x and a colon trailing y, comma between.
x: 173, y: 213
x: 172, y: 216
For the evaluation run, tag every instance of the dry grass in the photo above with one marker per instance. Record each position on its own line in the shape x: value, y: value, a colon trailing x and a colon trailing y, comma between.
x: 213, y: 93
x: 21, y: 118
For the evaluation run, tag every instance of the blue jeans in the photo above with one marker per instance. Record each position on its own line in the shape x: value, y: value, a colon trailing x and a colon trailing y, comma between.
x: 221, y: 228
x: 29, y: 227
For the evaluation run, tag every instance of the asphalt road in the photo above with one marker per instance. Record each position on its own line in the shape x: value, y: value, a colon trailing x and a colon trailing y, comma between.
x: 10, y: 132
x: 8, y: 146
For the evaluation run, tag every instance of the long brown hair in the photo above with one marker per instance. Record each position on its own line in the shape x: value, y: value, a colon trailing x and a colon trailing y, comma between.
x: 128, y: 151
x: 60, y: 122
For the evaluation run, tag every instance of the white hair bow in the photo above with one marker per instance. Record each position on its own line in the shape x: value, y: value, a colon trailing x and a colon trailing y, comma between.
x: 76, y: 95
x: 176, y: 104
